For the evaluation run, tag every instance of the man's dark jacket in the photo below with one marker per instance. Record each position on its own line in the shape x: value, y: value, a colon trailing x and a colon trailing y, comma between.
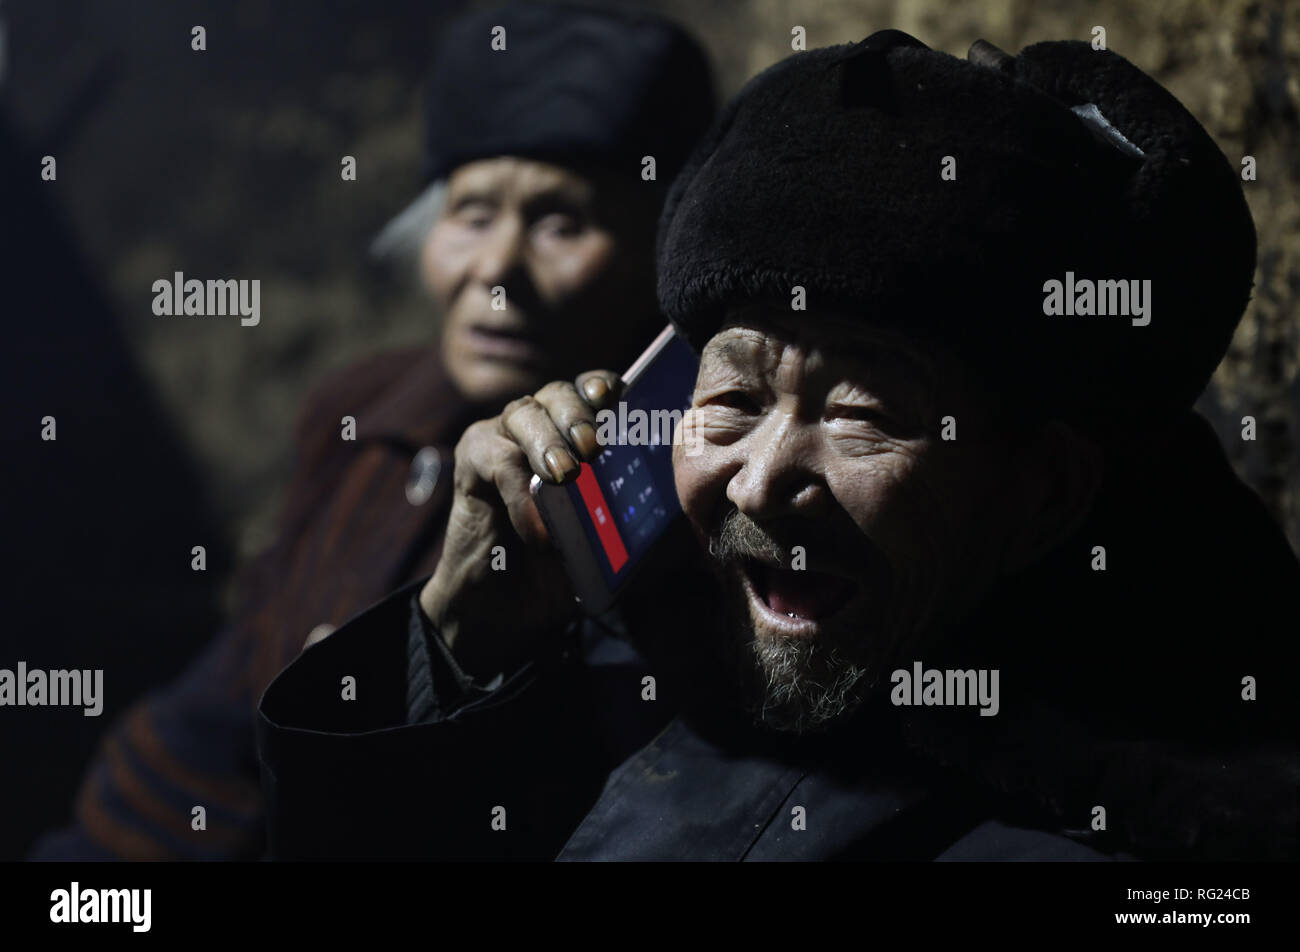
x: 1146, y: 712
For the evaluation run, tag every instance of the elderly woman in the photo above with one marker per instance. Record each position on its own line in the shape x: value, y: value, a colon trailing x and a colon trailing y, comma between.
x: 553, y: 132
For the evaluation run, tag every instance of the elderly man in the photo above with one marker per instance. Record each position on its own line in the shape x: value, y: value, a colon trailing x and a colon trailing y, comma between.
x: 535, y: 237
x: 990, y: 588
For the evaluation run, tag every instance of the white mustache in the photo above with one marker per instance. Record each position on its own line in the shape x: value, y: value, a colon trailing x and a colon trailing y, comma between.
x: 740, y: 537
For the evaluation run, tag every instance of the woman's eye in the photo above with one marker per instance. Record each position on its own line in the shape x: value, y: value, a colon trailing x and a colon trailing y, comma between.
x: 560, y: 225
x: 474, y: 216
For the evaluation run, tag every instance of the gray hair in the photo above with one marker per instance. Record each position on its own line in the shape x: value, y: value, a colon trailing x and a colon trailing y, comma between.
x: 401, y: 239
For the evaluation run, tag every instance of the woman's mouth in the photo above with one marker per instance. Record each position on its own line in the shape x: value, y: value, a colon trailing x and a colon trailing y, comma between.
x: 499, y: 343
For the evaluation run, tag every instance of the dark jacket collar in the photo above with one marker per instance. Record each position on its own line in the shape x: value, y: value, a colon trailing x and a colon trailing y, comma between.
x: 421, y: 406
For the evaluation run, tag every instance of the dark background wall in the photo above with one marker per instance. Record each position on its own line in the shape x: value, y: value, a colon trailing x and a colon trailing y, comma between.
x: 225, y: 163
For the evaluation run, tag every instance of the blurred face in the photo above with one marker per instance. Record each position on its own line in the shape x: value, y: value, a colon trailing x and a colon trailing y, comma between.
x: 843, y: 528
x: 541, y: 272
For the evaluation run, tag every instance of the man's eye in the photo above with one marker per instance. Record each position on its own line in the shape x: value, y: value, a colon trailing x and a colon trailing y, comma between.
x: 856, y: 411
x: 735, y: 400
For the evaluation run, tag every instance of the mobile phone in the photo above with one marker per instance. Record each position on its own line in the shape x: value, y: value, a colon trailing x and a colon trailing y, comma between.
x: 605, y: 523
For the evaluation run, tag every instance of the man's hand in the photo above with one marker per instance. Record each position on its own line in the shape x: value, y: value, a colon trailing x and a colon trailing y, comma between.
x: 491, y: 618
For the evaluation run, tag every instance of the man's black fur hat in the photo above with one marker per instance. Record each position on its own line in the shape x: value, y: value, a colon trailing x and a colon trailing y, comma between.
x: 826, y: 173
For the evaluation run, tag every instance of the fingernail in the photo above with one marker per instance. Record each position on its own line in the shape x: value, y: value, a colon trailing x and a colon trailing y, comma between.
x: 584, y: 437
x: 595, y: 389
x: 559, y: 462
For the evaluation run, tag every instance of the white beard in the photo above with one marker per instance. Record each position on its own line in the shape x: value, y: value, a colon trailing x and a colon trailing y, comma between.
x: 803, y: 687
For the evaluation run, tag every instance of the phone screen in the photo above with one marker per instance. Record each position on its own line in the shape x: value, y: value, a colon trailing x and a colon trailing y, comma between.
x: 626, y: 498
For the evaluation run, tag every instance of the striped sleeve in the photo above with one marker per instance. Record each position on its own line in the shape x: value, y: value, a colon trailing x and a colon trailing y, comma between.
x: 175, y: 778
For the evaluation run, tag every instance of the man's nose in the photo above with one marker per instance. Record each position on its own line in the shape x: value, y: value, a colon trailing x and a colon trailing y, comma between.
x: 778, y: 474
x: 500, y: 256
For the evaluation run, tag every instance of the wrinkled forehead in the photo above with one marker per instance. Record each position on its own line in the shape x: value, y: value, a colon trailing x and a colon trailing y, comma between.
x: 763, y: 339
x: 526, y: 176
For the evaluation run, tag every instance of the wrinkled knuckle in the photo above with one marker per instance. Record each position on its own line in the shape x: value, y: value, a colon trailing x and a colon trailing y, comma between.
x: 463, y: 451
x: 474, y: 433
x: 464, y: 478
x: 514, y: 406
x: 501, y: 457
x: 556, y: 388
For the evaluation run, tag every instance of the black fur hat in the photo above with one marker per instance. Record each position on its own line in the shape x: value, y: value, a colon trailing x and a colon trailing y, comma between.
x: 566, y: 82
x: 941, y: 196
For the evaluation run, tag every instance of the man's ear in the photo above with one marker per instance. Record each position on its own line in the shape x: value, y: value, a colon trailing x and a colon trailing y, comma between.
x: 1057, y: 476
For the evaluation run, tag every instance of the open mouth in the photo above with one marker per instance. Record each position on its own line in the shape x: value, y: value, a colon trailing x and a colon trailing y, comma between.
x: 501, y: 343
x: 795, y: 601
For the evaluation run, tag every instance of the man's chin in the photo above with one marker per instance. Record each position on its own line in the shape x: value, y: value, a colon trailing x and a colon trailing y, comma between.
x: 799, y: 692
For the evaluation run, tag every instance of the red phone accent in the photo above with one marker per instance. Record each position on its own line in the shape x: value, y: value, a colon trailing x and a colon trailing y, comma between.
x: 601, y: 517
